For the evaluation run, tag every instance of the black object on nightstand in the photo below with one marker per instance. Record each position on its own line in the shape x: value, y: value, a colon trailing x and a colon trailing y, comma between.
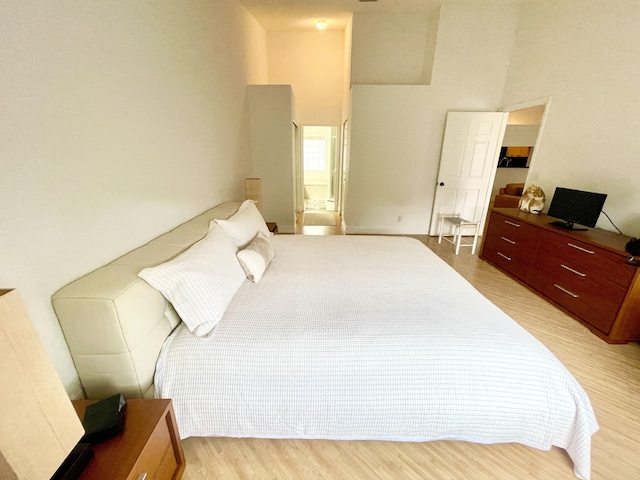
x: 273, y: 227
x: 104, y: 419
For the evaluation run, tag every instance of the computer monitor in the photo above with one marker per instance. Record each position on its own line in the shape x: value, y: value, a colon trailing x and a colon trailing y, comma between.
x: 576, y: 207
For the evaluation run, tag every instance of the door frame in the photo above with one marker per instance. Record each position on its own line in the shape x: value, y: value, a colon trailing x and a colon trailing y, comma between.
x: 546, y: 101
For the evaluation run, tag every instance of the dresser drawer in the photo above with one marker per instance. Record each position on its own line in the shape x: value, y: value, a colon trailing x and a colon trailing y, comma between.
x: 508, y: 256
x: 587, y: 259
x: 593, y: 298
x: 510, y: 245
x: 513, y: 230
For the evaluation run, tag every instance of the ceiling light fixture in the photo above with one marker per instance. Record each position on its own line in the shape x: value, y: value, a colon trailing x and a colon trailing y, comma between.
x: 322, y: 24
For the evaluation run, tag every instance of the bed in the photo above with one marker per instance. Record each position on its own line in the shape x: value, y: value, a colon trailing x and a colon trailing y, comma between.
x: 336, y: 337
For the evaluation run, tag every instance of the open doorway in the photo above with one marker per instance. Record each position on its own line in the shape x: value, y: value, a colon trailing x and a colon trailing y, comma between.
x: 522, y: 135
x: 319, y: 149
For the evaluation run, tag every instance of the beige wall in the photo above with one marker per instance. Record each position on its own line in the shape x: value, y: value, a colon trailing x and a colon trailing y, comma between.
x: 119, y: 121
x: 585, y: 56
x: 312, y: 62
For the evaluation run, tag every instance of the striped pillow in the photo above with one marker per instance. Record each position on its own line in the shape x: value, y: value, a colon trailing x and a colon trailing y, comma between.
x: 244, y: 225
x: 256, y: 257
x: 201, y: 281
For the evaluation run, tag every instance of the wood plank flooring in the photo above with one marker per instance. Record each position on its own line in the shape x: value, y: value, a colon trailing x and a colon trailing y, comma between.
x: 610, y: 374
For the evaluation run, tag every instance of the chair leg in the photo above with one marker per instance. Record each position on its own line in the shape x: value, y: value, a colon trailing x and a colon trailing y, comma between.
x: 457, y: 234
x: 441, y: 228
x: 475, y: 239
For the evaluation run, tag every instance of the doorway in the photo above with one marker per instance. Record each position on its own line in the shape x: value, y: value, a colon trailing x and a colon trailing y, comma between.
x: 319, y: 149
x: 522, y: 137
x: 320, y: 177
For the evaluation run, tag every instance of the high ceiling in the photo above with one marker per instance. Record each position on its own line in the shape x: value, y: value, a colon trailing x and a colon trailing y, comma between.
x: 303, y: 14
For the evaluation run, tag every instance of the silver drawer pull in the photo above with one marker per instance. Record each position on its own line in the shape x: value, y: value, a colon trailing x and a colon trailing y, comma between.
x: 580, y: 248
x: 504, y: 256
x: 565, y: 291
x: 508, y: 241
x: 511, y: 223
x: 142, y: 476
x: 573, y: 271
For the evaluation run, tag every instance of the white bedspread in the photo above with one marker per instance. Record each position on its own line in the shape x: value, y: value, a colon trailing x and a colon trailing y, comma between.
x: 371, y: 338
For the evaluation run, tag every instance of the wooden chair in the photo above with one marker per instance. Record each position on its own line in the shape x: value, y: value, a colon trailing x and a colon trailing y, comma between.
x: 459, y: 224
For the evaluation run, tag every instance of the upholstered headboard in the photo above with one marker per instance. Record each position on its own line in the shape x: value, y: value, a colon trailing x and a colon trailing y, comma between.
x: 115, y: 323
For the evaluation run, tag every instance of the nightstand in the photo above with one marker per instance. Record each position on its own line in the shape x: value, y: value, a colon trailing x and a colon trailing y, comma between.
x: 150, y: 444
x: 273, y: 227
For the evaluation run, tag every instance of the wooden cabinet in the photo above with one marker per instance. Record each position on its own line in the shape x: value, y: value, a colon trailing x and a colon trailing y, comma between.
x: 583, y: 272
x: 150, y: 444
x: 510, y: 244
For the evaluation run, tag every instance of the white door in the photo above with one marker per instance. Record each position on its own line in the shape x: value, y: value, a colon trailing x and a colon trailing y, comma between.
x: 468, y: 164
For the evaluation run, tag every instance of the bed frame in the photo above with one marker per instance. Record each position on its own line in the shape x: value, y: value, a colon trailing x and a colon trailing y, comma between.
x: 115, y: 323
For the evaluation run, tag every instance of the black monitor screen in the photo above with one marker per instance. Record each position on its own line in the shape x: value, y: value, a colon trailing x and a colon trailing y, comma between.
x: 576, y: 207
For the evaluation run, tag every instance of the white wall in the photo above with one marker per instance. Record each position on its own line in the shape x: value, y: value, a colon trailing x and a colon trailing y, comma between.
x: 396, y: 131
x: 119, y: 121
x: 377, y: 39
x: 520, y: 135
x: 585, y: 56
x: 312, y: 62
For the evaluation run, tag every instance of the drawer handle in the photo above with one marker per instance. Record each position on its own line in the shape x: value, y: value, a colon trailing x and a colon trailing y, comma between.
x: 142, y: 476
x: 565, y: 291
x: 511, y: 223
x: 504, y: 256
x: 581, y: 249
x: 508, y: 241
x: 573, y: 271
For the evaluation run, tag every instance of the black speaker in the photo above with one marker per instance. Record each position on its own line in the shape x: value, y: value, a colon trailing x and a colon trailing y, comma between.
x: 104, y: 419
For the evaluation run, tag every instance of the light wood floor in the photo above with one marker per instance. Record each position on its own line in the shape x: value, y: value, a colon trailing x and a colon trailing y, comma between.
x: 610, y: 374
x: 302, y: 229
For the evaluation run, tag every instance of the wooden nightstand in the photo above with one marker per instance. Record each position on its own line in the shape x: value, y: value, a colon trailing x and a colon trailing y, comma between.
x: 149, y: 444
x: 273, y: 227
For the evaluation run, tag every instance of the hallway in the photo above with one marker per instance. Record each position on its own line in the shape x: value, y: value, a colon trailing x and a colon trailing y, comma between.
x: 302, y: 229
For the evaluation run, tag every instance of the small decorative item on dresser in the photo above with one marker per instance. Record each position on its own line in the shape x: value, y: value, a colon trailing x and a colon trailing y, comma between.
x: 532, y: 200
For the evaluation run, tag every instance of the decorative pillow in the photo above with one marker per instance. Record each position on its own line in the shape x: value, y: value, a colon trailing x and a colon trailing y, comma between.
x: 256, y: 257
x: 201, y: 281
x: 244, y: 225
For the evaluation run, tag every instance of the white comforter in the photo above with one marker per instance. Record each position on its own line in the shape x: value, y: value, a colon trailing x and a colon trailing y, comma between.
x: 371, y: 338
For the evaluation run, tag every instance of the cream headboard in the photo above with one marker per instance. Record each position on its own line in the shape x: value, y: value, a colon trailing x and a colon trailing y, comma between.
x: 115, y: 323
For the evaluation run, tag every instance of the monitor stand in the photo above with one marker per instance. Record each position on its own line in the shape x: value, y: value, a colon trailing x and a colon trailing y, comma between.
x: 567, y: 225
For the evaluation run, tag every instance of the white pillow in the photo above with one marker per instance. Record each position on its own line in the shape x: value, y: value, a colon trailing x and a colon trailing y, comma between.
x: 256, y: 257
x: 245, y: 224
x: 201, y: 281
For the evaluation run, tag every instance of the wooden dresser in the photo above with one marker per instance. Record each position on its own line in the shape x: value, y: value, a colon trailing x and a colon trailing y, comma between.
x: 583, y: 272
x: 149, y: 447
